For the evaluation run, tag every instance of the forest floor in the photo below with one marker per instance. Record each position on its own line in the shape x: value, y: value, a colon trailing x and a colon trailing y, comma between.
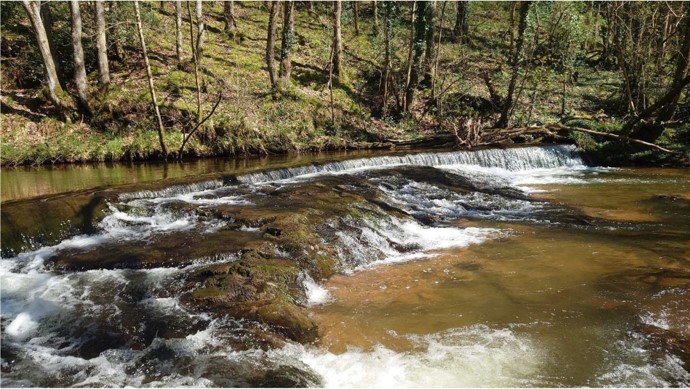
x: 251, y: 120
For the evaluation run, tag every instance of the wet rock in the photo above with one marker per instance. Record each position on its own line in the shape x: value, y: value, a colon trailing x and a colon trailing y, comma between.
x: 668, y: 341
x: 289, y: 320
x: 162, y: 250
x: 29, y: 224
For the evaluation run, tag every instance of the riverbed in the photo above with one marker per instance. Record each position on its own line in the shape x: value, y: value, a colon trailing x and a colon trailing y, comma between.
x: 515, y: 267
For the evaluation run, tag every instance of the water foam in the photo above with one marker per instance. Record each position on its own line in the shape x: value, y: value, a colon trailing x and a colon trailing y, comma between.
x: 475, y: 356
x: 316, y: 294
x: 373, y: 242
x: 514, y: 159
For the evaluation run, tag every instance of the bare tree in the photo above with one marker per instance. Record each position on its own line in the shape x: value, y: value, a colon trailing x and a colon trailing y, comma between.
x: 461, y: 30
x: 355, y: 12
x: 78, y: 56
x: 54, y: 90
x: 149, y: 76
x: 375, y: 11
x: 504, y: 120
x: 287, y: 42
x: 385, y: 79
x: 47, y: 17
x: 195, y: 60
x: 101, y: 46
x: 420, y: 27
x: 200, y: 29
x: 337, y: 56
x: 178, y: 32
x: 682, y: 59
x: 410, y: 52
x: 229, y: 15
x: 271, y: 43
x: 430, y: 45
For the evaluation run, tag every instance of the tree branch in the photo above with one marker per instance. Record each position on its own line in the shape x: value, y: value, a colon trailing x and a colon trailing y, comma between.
x: 199, y: 124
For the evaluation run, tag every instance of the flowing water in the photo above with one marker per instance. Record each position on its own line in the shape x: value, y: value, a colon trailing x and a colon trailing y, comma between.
x: 516, y: 267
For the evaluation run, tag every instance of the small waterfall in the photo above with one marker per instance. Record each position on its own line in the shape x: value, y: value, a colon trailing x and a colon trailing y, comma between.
x: 514, y: 159
x: 173, y: 191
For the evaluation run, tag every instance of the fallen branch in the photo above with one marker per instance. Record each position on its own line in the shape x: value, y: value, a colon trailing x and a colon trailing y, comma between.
x: 561, y: 127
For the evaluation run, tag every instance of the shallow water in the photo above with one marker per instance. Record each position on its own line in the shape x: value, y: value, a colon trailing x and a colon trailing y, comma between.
x: 500, y: 268
x: 542, y: 306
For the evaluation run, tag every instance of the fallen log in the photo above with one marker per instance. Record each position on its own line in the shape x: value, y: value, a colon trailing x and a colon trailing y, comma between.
x: 560, y: 127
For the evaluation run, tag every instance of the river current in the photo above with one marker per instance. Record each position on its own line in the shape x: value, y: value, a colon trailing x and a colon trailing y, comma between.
x: 511, y: 267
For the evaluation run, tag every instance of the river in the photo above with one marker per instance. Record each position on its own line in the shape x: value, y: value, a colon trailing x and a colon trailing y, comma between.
x: 514, y: 267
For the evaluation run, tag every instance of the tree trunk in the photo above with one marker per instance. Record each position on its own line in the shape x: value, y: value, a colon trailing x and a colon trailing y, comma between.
x: 508, y: 101
x: 355, y: 11
x: 195, y: 59
x: 430, y: 45
x: 437, y: 53
x: 271, y: 43
x: 461, y: 30
x: 200, y: 29
x: 149, y: 76
x: 54, y: 90
x: 78, y: 57
x: 376, y: 17
x: 387, y: 53
x: 410, y: 53
x: 337, y: 41
x: 287, y: 43
x: 229, y: 15
x: 178, y: 32
x: 651, y: 134
x: 420, y: 26
x: 683, y: 56
x: 102, y: 46
x: 47, y: 17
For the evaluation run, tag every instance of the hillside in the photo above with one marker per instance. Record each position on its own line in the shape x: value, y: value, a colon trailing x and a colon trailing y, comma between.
x: 253, y: 119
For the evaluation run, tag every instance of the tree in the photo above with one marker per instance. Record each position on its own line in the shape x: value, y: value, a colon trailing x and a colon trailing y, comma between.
x: 682, y: 58
x: 287, y: 42
x: 666, y: 106
x: 419, y: 38
x: 54, y: 90
x: 102, y: 47
x: 430, y: 45
x: 337, y: 56
x: 78, y: 56
x: 385, y: 78
x: 200, y: 29
x: 47, y: 17
x: 149, y: 77
x: 178, y: 32
x: 375, y: 11
x: 195, y: 60
x: 504, y: 120
x: 229, y: 15
x: 271, y: 43
x: 355, y: 12
x: 461, y: 30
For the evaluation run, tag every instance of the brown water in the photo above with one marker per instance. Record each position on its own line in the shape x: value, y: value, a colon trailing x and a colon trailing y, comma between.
x: 28, y: 182
x: 581, y: 307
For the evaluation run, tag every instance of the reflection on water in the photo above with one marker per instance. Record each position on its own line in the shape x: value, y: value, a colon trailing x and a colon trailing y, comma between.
x: 27, y: 182
x: 591, y: 306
